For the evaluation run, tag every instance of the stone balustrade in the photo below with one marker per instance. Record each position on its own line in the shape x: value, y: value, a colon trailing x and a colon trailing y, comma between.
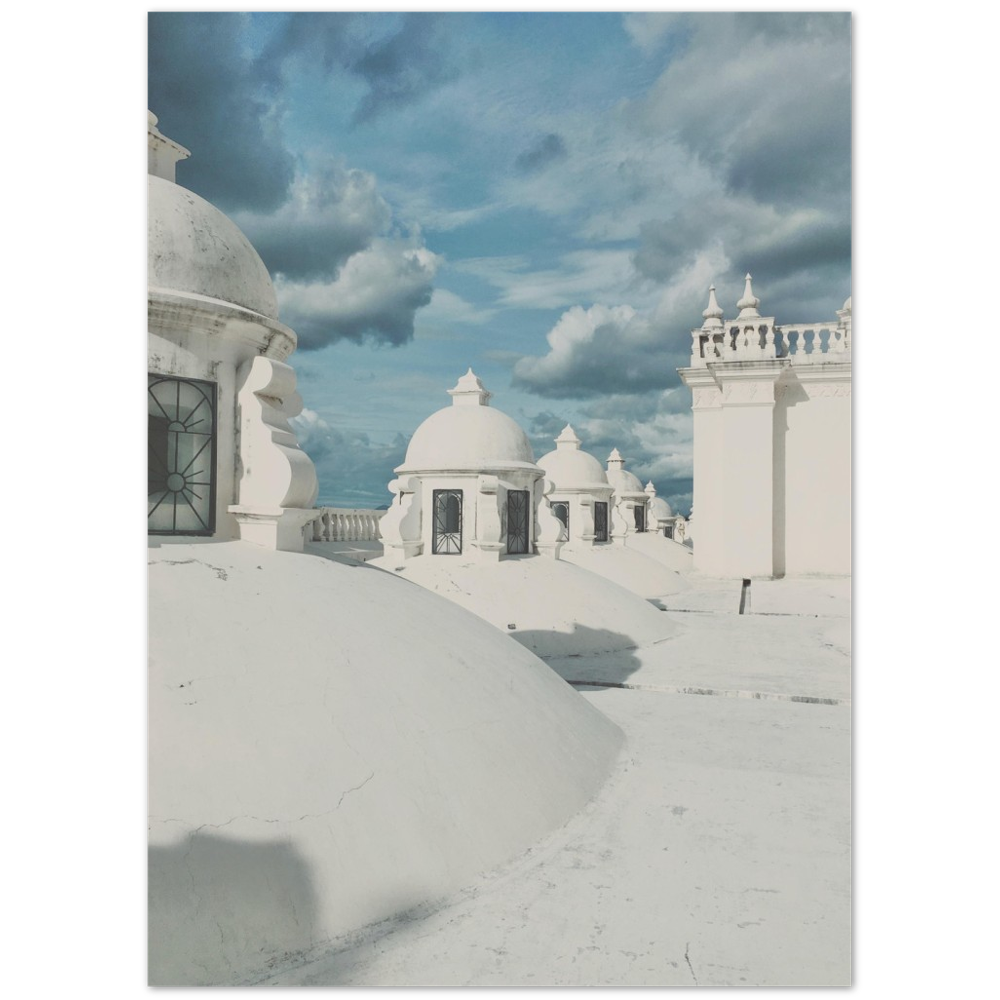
x: 341, y: 524
x: 752, y: 337
x: 801, y: 344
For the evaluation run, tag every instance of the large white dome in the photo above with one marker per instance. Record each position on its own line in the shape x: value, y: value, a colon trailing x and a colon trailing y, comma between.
x: 193, y: 248
x: 468, y: 435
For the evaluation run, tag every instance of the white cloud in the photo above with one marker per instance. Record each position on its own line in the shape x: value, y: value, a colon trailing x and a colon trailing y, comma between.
x: 375, y: 295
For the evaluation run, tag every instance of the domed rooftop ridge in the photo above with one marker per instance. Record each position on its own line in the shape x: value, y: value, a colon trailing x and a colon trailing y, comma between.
x: 569, y: 468
x: 468, y: 436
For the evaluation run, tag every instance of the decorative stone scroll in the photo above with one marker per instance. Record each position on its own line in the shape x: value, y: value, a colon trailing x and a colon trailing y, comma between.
x: 276, y: 479
x: 551, y: 534
x: 490, y: 495
x: 400, y: 525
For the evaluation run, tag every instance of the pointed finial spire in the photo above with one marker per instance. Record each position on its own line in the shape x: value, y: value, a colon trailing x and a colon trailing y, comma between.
x: 567, y: 440
x: 748, y: 304
x: 470, y: 391
x: 650, y: 489
x: 713, y: 314
x: 615, y: 458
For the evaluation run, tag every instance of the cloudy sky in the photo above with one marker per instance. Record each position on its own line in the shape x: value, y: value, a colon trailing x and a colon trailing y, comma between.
x: 543, y: 197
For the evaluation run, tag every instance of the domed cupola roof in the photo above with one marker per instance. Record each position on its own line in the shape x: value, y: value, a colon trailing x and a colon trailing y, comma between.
x: 468, y: 436
x: 658, y: 507
x: 624, y: 483
x: 570, y: 468
x: 193, y: 249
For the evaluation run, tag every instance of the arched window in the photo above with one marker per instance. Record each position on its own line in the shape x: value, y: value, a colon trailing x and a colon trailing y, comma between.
x: 181, y: 456
x: 561, y: 510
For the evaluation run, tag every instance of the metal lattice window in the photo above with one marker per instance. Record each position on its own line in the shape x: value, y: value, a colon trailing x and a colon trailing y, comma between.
x: 518, y: 512
x: 600, y: 521
x: 447, y: 536
x: 640, y: 517
x: 181, y: 456
x: 561, y: 510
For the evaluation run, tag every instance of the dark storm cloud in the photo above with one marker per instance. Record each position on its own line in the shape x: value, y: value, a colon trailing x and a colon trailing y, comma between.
x: 224, y: 105
x: 547, y: 150
x: 331, y: 214
x: 207, y: 97
x: 403, y: 68
x: 399, y: 68
x: 752, y: 237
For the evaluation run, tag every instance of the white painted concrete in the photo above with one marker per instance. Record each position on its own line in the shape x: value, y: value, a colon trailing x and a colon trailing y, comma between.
x: 719, y: 855
x: 330, y: 746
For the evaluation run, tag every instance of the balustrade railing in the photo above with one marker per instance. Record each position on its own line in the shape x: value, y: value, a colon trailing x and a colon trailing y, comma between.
x: 801, y: 344
x: 340, y: 524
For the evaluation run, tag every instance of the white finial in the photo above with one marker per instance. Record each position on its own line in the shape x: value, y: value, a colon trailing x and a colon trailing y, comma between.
x: 163, y: 153
x: 748, y: 304
x: 650, y: 489
x: 567, y: 440
x: 470, y: 391
x: 713, y: 314
x: 615, y: 458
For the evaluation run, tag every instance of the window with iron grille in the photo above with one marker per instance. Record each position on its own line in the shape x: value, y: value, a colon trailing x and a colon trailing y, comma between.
x: 446, y: 539
x: 181, y: 456
x: 518, y: 514
x: 600, y: 521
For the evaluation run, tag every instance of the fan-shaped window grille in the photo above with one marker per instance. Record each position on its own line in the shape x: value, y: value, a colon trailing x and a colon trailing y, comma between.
x: 181, y: 456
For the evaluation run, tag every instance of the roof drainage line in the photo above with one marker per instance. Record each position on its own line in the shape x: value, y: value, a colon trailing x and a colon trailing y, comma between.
x: 752, y: 614
x: 804, y: 699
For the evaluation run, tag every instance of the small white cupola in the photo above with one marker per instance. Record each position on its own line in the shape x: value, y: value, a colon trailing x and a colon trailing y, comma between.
x: 470, y: 391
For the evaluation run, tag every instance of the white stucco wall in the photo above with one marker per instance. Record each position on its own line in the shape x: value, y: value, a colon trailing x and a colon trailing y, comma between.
x: 772, y: 468
x: 747, y: 488
x: 817, y: 477
x: 709, y: 482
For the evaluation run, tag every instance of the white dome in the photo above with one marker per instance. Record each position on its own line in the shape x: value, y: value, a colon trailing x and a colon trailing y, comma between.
x: 468, y: 435
x: 659, y: 508
x: 569, y: 467
x: 624, y: 482
x: 194, y: 248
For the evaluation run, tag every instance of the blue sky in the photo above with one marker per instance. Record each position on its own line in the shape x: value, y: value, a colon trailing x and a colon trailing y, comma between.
x: 543, y: 197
